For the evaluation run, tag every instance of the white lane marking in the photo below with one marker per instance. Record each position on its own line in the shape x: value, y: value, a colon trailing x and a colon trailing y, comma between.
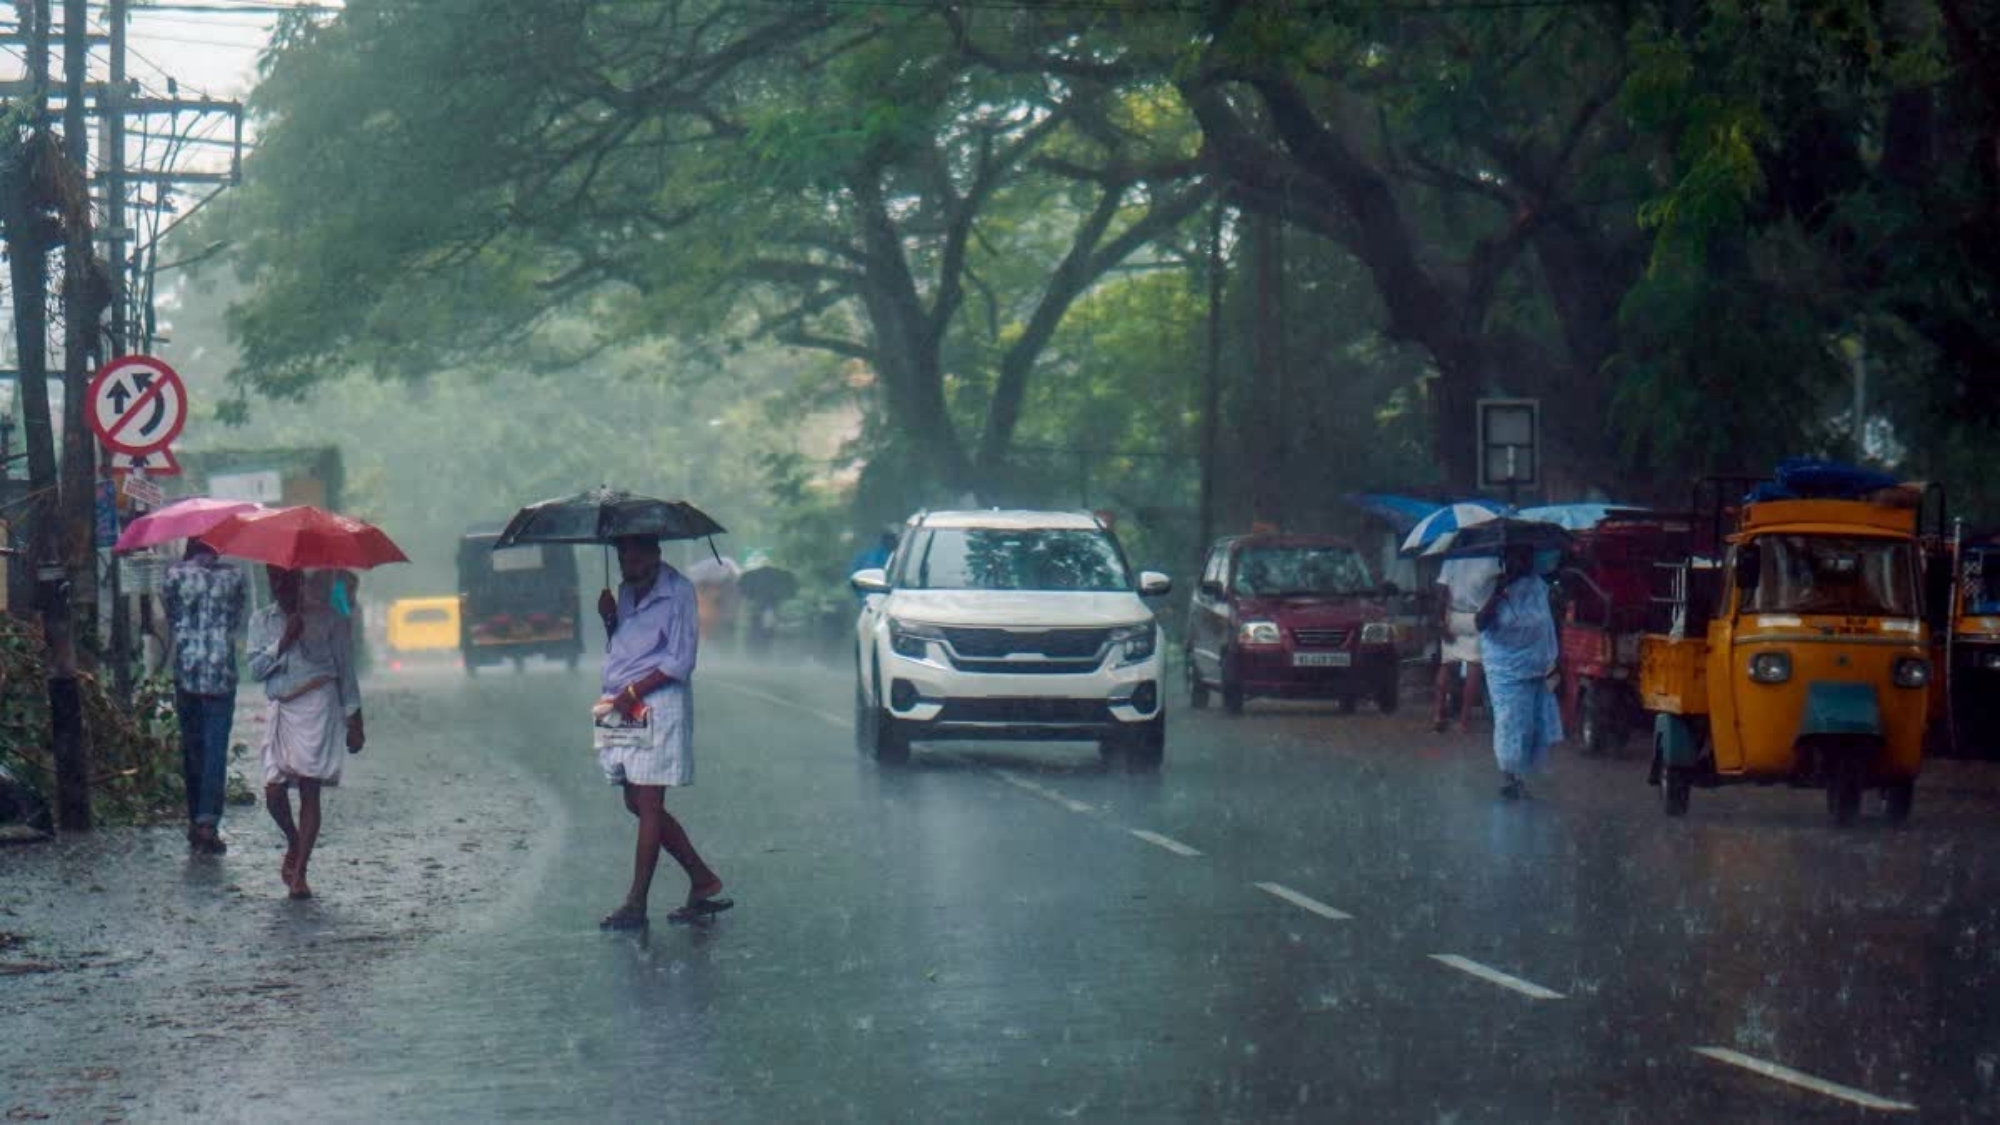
x: 1494, y: 976
x: 1804, y: 1081
x: 1159, y: 841
x: 845, y: 722
x: 1304, y: 902
x: 1043, y: 791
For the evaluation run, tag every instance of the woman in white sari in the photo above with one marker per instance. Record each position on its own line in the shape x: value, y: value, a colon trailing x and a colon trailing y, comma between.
x: 304, y: 654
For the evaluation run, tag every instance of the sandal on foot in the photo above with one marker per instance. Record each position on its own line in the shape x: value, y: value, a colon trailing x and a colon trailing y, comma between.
x: 623, y: 918
x: 700, y: 911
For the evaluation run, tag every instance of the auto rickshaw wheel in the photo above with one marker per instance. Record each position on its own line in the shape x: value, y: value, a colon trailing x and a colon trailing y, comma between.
x: 1603, y: 728
x: 1897, y: 800
x: 1843, y: 790
x: 1197, y: 691
x: 1675, y: 787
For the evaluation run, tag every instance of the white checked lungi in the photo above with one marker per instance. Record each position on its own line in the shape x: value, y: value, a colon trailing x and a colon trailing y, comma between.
x: 658, y: 751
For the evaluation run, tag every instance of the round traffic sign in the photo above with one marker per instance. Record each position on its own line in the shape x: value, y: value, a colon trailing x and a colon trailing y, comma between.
x: 137, y: 404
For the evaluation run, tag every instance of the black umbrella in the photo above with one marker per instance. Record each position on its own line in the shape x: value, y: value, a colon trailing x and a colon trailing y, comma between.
x: 1495, y: 537
x: 603, y: 515
x: 767, y: 584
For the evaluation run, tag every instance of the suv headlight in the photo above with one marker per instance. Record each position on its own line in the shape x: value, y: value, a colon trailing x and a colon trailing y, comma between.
x: 1771, y: 667
x: 1135, y: 643
x: 1378, y: 633
x: 1912, y: 672
x: 1258, y: 633
x: 912, y: 640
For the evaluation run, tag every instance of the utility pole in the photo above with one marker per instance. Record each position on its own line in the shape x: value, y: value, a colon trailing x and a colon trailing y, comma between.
x: 32, y: 187
x: 81, y: 308
x: 111, y: 104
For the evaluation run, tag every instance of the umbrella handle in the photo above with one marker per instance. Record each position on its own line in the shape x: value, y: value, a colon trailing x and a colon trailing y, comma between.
x: 712, y: 550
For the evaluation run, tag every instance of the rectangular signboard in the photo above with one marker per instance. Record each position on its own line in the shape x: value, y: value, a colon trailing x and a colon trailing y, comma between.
x: 256, y: 488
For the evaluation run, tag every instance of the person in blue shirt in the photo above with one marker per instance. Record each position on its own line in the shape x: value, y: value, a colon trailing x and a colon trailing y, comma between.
x: 874, y: 556
x: 1517, y: 641
x: 644, y: 720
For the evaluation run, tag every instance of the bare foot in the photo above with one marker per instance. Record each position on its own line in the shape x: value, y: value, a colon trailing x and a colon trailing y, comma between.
x: 289, y: 870
x: 300, y: 890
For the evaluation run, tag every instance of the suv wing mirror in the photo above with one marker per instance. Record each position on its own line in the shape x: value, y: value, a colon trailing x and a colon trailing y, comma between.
x: 1153, y: 584
x: 874, y: 580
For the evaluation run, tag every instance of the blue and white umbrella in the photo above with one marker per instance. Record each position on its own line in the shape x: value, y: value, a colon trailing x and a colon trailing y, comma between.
x: 1429, y: 536
x: 1574, y: 517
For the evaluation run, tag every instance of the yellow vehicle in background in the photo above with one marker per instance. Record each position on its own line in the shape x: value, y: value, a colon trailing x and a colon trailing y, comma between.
x: 422, y: 625
x: 1814, y: 667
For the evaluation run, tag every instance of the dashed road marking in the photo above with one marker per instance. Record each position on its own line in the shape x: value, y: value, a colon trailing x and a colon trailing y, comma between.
x: 842, y: 721
x: 1494, y: 976
x: 1304, y: 902
x: 1043, y: 791
x: 1804, y: 1081
x: 1159, y: 841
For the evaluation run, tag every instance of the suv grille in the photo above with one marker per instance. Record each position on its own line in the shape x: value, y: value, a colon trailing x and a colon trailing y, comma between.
x: 1025, y: 711
x: 1320, y: 638
x: 1056, y: 644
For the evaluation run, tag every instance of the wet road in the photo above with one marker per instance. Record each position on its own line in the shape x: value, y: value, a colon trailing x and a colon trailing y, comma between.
x: 1302, y: 916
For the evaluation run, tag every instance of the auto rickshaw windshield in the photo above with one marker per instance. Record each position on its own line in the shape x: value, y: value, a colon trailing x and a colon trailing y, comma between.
x: 1826, y: 574
x: 1982, y: 582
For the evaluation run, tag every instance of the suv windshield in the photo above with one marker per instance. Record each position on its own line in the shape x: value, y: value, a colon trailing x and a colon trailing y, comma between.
x: 1014, y: 559
x: 1278, y: 571
x: 1835, y: 575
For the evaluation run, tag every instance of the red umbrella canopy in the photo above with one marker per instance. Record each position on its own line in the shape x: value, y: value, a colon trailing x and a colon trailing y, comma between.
x: 302, y: 537
x: 181, y: 519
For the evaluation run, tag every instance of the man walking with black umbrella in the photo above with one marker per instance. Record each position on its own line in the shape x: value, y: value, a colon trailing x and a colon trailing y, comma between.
x: 644, y: 722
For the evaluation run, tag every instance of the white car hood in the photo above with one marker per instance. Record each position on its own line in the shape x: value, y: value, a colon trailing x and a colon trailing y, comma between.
x: 1018, y: 609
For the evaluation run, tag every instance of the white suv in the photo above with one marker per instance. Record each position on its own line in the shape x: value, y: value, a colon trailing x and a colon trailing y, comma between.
x: 989, y: 625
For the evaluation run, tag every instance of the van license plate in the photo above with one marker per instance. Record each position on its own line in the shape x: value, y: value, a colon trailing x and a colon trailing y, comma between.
x: 1322, y: 659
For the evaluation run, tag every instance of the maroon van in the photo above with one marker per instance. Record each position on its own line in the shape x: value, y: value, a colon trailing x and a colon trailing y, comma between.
x: 1290, y: 616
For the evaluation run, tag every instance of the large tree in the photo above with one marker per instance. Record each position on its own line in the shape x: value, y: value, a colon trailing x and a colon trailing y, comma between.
x: 435, y: 180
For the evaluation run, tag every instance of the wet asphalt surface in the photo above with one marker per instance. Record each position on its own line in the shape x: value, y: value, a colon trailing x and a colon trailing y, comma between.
x: 1010, y: 932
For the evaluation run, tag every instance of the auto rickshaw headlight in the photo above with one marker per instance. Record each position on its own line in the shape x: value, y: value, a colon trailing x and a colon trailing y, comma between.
x: 1913, y: 672
x: 1771, y: 667
x: 1378, y: 633
x: 1258, y: 633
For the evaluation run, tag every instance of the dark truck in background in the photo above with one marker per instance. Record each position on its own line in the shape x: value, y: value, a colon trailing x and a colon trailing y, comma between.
x: 518, y: 602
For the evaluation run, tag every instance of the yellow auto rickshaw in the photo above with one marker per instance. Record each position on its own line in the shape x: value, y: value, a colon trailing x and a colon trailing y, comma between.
x: 1813, y: 668
x: 423, y: 625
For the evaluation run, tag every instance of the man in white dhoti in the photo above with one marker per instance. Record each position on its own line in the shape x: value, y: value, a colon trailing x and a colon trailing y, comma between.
x: 304, y: 654
x: 644, y: 721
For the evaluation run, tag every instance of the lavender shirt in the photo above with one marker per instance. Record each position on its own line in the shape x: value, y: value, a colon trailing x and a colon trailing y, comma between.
x: 660, y: 631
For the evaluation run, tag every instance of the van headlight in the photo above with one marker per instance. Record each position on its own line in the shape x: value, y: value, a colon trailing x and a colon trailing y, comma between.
x: 1135, y: 643
x: 1378, y: 633
x: 1912, y: 672
x: 912, y: 640
x: 1258, y: 633
x: 1771, y: 667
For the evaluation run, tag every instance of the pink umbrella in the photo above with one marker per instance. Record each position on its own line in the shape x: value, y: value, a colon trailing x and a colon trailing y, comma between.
x: 182, y: 519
